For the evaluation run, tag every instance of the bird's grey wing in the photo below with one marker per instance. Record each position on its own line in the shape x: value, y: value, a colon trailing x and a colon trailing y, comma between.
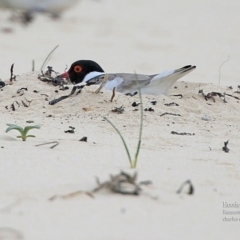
x: 126, y: 82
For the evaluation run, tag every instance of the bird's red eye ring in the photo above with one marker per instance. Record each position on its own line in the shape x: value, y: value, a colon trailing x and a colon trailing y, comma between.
x: 77, y: 69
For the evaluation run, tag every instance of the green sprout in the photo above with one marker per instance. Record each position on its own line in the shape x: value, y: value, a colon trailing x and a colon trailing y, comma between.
x: 22, y: 131
x: 133, y: 163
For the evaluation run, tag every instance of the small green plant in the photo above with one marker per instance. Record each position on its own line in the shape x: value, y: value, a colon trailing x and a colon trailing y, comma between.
x: 22, y: 131
x: 133, y: 163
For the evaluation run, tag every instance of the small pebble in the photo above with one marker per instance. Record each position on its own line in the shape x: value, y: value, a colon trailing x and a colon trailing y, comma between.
x: 83, y: 139
x: 206, y: 118
x: 153, y: 102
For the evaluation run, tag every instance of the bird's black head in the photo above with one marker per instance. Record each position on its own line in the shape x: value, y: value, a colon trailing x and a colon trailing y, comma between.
x: 80, y: 69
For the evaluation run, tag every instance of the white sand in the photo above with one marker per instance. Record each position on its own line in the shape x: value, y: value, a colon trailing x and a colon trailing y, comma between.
x: 123, y: 37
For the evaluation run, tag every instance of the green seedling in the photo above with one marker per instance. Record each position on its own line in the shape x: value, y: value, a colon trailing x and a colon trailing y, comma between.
x: 22, y: 131
x: 133, y: 163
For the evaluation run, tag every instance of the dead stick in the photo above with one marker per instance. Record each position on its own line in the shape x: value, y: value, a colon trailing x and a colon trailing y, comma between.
x: 113, y: 94
x: 11, y: 71
x: 56, y: 143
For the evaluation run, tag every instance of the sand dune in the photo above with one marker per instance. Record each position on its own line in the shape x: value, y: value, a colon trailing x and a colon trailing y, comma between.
x: 31, y: 175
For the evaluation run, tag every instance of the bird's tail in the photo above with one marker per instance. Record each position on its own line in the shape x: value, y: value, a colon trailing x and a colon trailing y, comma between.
x: 161, y: 83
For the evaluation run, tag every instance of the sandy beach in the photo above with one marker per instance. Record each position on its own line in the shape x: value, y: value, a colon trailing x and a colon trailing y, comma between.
x: 46, y: 193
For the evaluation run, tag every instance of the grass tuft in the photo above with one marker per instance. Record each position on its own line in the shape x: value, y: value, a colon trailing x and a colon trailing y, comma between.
x: 133, y: 162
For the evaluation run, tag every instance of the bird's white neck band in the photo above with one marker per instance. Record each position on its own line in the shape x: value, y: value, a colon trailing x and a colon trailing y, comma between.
x: 92, y: 75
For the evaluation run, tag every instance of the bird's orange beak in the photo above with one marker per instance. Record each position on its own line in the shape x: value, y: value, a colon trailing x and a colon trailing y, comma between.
x: 64, y: 75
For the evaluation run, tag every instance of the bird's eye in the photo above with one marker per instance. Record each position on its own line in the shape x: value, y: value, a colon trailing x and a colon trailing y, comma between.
x: 77, y: 69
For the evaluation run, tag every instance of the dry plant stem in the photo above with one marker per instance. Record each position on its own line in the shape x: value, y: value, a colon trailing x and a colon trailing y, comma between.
x: 11, y: 71
x: 113, y: 94
x: 102, y: 84
x: 33, y: 65
x: 53, y: 146
x: 48, y: 57
x: 220, y: 69
x: 12, y: 76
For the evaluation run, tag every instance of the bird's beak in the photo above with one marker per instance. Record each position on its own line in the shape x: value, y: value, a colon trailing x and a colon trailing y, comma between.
x: 64, y: 75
